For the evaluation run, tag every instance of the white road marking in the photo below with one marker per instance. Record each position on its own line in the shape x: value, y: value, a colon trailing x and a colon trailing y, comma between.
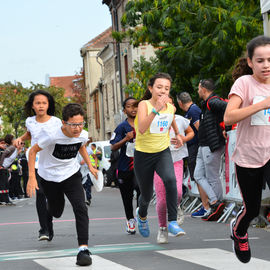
x: 227, y: 239
x: 69, y: 263
x: 216, y: 259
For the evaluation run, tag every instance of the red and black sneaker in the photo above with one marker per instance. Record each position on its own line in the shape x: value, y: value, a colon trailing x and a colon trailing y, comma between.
x: 215, y: 212
x: 240, y: 245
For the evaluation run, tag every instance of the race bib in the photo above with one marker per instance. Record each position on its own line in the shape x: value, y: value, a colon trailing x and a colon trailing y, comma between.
x: 130, y: 149
x: 261, y: 118
x: 161, y: 123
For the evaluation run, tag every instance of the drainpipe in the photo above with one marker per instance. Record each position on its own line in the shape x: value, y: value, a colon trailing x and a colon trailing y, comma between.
x: 115, y: 15
x: 102, y: 99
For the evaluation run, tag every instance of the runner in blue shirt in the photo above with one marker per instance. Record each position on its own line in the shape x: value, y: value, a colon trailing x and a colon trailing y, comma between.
x: 123, y: 138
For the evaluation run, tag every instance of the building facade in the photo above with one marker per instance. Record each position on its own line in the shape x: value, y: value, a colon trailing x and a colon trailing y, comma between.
x: 106, y: 65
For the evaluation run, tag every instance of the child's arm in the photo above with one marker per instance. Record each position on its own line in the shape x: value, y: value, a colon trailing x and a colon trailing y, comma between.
x: 32, y: 181
x: 127, y: 138
x: 86, y: 158
x: 178, y: 140
x: 25, y: 137
x: 234, y: 113
x: 189, y: 134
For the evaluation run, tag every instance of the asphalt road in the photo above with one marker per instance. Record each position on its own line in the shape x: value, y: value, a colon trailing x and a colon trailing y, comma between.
x: 206, y: 245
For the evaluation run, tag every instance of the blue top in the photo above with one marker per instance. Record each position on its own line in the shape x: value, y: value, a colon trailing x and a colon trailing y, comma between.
x: 125, y: 163
x: 193, y: 114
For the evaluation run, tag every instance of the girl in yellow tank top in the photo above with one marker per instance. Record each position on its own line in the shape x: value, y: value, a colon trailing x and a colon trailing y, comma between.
x: 152, y: 154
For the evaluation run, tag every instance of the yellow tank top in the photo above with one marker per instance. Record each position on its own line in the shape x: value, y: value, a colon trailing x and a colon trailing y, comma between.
x: 156, y: 138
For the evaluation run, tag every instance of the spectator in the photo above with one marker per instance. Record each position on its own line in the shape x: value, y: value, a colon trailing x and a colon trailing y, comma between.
x: 112, y: 171
x: 211, y: 148
x: 24, y: 164
x: 15, y: 188
x: 86, y: 180
x: 7, y: 157
x: 94, y: 156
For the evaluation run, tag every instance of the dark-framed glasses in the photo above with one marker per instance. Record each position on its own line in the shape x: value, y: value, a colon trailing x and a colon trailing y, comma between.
x: 75, y: 125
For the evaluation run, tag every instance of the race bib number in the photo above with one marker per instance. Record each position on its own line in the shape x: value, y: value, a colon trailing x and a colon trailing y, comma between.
x: 261, y: 118
x: 161, y: 123
x: 130, y: 149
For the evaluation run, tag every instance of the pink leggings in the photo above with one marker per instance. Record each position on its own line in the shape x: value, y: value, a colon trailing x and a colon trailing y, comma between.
x: 161, y: 205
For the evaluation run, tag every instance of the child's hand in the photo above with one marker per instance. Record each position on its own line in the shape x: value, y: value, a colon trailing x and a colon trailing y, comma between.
x: 177, y: 141
x: 94, y: 171
x: 129, y: 135
x: 32, y: 186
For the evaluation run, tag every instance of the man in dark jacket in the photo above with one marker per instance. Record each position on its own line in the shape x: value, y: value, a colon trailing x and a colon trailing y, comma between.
x: 211, y: 148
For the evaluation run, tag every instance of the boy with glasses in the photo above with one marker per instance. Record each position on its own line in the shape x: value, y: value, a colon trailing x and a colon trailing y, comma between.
x: 60, y: 175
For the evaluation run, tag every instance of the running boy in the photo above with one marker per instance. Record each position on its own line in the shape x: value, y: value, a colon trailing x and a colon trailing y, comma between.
x: 59, y: 172
x: 123, y: 138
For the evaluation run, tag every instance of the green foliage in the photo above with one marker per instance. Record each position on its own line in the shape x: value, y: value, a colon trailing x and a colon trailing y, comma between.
x: 197, y: 38
x: 139, y: 76
x: 12, y: 100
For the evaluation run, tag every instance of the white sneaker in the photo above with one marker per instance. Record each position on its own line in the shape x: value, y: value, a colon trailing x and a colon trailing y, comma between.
x: 131, y: 226
x: 180, y: 216
x: 162, y: 237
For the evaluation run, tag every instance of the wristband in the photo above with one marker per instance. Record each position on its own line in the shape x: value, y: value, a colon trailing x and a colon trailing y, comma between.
x: 154, y: 111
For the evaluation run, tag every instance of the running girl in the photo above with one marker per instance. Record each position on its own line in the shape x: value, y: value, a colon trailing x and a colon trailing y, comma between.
x: 152, y: 123
x: 178, y: 154
x: 249, y: 103
x: 40, y: 108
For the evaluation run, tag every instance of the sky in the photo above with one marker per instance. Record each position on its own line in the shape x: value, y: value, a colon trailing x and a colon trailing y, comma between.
x: 40, y: 37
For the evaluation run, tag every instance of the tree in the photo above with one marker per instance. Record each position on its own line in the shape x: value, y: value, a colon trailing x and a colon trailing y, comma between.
x: 12, y: 100
x: 79, y: 91
x: 139, y: 76
x: 198, y: 39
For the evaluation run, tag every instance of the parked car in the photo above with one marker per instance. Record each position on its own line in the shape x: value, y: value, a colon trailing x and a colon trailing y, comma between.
x: 104, y: 148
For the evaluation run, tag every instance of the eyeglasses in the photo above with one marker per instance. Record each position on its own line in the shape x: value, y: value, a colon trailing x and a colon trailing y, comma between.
x: 75, y: 125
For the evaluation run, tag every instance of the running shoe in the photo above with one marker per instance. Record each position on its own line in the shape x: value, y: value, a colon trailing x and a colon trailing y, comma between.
x: 180, y: 216
x: 200, y: 213
x: 162, y: 237
x: 175, y: 230
x: 43, y: 235
x: 142, y: 225
x: 215, y: 212
x: 84, y: 258
x: 240, y: 245
x: 131, y: 226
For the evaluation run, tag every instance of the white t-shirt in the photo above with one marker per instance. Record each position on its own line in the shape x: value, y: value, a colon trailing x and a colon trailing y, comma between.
x: 36, y: 128
x: 58, y: 158
x: 181, y: 152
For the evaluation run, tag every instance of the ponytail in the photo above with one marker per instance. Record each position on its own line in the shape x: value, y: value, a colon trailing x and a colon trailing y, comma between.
x: 241, y: 68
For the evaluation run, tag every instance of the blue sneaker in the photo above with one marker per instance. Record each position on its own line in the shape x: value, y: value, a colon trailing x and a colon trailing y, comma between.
x: 175, y: 230
x: 142, y: 225
x: 200, y: 213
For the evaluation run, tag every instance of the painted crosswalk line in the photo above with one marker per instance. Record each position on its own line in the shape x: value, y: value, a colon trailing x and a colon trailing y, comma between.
x: 215, y: 258
x: 69, y: 263
x: 128, y: 247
